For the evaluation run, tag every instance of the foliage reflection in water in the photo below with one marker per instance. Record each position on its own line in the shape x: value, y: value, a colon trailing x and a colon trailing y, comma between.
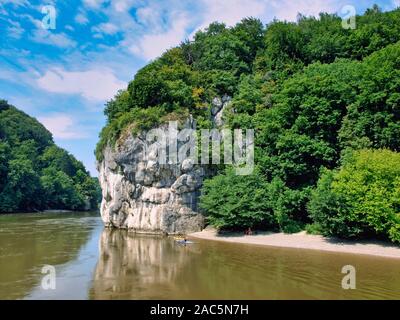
x: 97, y: 263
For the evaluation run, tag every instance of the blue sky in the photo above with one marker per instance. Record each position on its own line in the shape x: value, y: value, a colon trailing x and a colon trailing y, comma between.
x: 63, y: 77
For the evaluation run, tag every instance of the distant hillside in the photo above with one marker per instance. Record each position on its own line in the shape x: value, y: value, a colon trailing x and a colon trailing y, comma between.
x: 35, y: 174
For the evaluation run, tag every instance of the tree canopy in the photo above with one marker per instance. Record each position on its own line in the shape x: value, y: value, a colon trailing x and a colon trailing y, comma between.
x: 35, y: 174
x: 312, y: 90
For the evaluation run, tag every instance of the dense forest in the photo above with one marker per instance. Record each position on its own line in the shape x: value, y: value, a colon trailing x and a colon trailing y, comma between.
x: 35, y: 174
x: 325, y: 105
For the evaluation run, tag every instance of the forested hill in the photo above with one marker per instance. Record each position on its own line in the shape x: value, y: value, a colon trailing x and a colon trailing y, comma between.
x: 324, y: 102
x: 35, y: 174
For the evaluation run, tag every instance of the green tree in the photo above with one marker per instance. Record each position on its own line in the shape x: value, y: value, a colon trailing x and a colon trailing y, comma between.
x: 233, y: 201
x: 23, y: 190
x: 373, y: 118
x: 312, y: 91
x: 361, y: 199
x: 59, y: 191
x: 30, y: 162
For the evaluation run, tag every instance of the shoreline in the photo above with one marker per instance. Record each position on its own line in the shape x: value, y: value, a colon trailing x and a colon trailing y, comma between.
x: 55, y: 211
x: 304, y: 241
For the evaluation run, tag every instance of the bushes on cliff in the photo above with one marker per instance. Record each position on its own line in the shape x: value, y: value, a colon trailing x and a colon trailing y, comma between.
x: 373, y: 119
x: 186, y: 79
x: 314, y: 115
x: 167, y: 82
x: 310, y: 89
x: 362, y: 198
x: 229, y: 49
x: 219, y: 56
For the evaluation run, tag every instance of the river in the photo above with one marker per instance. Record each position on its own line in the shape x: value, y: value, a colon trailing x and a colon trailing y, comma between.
x: 95, y: 263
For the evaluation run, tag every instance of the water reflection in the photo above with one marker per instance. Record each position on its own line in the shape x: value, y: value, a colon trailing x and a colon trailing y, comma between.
x: 93, y: 263
x: 144, y: 267
x: 138, y: 266
x: 27, y: 242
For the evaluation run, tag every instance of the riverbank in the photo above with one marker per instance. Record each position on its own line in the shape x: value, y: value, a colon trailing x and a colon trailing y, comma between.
x: 303, y: 240
x: 47, y: 211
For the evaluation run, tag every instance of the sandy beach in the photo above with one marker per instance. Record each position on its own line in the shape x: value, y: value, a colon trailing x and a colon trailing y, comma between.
x: 303, y: 240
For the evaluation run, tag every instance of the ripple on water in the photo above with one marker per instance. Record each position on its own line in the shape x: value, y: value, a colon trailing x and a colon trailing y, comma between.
x: 103, y: 264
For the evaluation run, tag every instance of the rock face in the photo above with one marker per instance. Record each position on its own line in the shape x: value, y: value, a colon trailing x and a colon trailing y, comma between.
x: 218, y: 107
x: 145, y: 196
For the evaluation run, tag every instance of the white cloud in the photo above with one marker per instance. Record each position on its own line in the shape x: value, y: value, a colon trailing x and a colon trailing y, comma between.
x: 62, y: 126
x: 107, y: 28
x: 150, y: 46
x: 60, y: 40
x: 95, y: 85
x: 123, y: 5
x: 288, y: 10
x: 37, y: 23
x: 232, y: 11
x: 15, y: 30
x: 149, y: 16
x: 17, y: 3
x: 93, y: 3
x: 396, y: 3
x: 81, y: 18
x: 69, y: 27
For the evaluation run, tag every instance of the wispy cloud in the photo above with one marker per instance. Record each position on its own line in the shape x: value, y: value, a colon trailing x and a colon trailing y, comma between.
x: 49, y: 37
x: 123, y: 5
x: 105, y: 28
x: 95, y: 85
x: 93, y: 3
x: 81, y: 18
x: 60, y: 40
x: 231, y: 12
x: 152, y: 45
x: 62, y: 126
x: 16, y: 3
x: 288, y: 10
x: 69, y: 27
x: 15, y: 30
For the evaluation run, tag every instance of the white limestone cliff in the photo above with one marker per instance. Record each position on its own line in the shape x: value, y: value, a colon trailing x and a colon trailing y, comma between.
x: 143, y: 195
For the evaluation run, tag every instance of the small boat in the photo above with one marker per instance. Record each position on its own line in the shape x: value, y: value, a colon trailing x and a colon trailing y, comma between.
x: 183, y: 242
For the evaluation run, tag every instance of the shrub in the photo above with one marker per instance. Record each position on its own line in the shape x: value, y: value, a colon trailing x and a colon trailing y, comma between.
x: 362, y: 198
x: 140, y: 119
x: 236, y: 202
x: 313, y: 228
x: 231, y: 201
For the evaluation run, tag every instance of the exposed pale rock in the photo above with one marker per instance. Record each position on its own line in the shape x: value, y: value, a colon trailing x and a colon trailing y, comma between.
x: 143, y: 195
x: 218, y: 110
x: 216, y: 105
x: 187, y: 165
x: 156, y: 195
